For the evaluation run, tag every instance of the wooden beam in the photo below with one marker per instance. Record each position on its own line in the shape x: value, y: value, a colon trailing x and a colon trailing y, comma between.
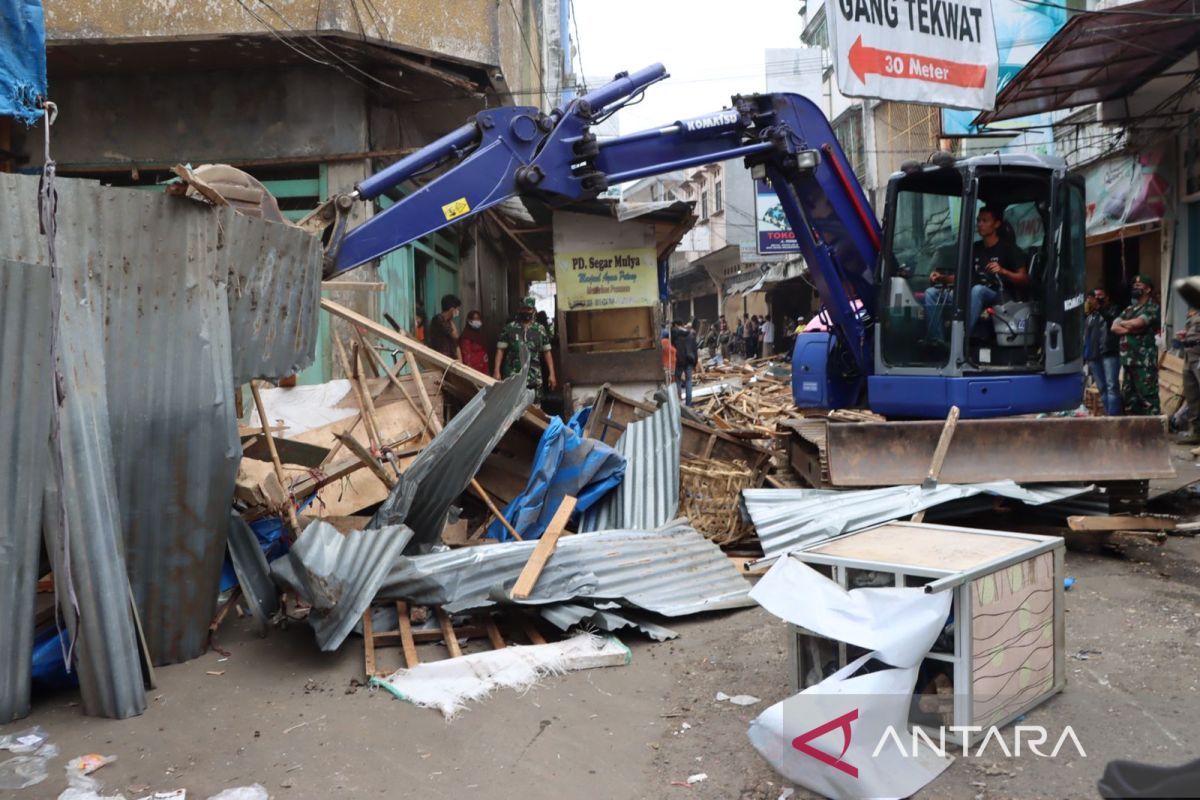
x: 293, y: 522
x: 368, y: 459
x: 424, y: 354
x: 544, y: 549
x: 368, y: 644
x: 406, y: 635
x: 448, y: 635
x: 1121, y: 523
x: 939, y: 456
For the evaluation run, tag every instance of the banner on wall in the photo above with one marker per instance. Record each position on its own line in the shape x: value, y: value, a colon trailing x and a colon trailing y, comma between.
x: 935, y: 52
x: 1021, y: 30
x: 1128, y: 190
x: 604, y: 263
x: 775, y: 235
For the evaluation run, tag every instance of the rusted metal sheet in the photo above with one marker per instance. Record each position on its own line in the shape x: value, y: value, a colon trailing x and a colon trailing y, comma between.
x: 25, y: 386
x: 1021, y: 449
x: 156, y: 271
x: 274, y: 283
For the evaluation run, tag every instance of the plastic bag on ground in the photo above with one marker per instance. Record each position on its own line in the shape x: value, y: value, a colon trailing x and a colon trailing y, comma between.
x: 26, y: 741
x: 255, y: 791
x: 20, y: 772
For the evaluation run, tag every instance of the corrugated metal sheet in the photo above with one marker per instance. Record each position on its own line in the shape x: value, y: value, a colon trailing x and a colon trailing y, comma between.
x: 672, y: 571
x: 565, y: 616
x: 25, y: 385
x: 339, y: 575
x: 786, y: 519
x: 445, y: 467
x: 253, y: 572
x: 88, y: 556
x: 274, y: 277
x: 158, y: 269
x: 649, y: 495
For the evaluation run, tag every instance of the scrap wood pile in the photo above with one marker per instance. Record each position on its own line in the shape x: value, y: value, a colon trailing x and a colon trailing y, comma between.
x: 425, y: 503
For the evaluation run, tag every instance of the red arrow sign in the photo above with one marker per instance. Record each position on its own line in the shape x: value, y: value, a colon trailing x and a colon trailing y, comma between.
x: 867, y: 60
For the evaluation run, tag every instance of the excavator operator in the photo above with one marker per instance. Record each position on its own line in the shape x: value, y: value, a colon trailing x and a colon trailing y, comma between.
x: 998, y: 266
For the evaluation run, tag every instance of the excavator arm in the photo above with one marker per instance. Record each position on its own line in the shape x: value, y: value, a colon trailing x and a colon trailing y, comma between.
x: 509, y: 152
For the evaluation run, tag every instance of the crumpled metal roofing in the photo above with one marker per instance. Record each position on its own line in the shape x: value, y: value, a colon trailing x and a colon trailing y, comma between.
x: 673, y: 571
x: 565, y: 616
x: 25, y: 386
x: 253, y: 572
x: 649, y: 495
x: 445, y: 467
x: 158, y: 269
x: 339, y: 574
x: 787, y: 519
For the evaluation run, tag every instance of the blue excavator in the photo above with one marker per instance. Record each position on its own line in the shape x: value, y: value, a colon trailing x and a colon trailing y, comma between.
x: 906, y: 339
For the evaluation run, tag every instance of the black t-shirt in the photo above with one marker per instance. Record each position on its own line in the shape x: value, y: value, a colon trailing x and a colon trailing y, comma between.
x: 1004, y: 253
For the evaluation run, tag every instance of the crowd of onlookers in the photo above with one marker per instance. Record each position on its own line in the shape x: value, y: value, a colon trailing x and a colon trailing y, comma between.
x: 526, y: 340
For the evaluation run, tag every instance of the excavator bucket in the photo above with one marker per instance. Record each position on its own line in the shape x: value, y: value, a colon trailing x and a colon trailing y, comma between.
x: 1021, y: 449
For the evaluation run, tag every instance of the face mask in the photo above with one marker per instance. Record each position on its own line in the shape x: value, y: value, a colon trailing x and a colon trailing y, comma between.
x: 456, y: 313
x: 475, y: 323
x: 1135, y: 294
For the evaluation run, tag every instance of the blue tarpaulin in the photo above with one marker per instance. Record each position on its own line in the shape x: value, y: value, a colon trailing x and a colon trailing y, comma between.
x: 22, y: 59
x: 565, y: 464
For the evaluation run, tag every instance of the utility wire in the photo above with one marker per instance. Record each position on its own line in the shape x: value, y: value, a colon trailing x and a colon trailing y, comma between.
x: 528, y: 48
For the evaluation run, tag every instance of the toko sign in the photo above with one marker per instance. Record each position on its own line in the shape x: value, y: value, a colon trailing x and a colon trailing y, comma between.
x: 938, y: 52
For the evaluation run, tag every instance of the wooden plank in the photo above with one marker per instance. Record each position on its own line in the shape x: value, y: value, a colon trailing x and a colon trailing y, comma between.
x: 939, y: 456
x: 1121, y: 523
x: 493, y: 632
x: 544, y: 549
x: 448, y: 635
x: 421, y: 352
x: 369, y: 460
x: 262, y: 416
x: 406, y: 635
x: 531, y: 632
x: 368, y: 644
x: 909, y: 545
x: 356, y: 286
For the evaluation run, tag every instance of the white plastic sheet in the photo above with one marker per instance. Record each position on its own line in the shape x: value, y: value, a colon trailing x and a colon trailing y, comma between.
x: 828, y: 737
x: 303, y: 408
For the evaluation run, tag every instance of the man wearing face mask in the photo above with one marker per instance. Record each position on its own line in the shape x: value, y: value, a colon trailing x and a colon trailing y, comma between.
x: 471, y: 344
x: 1137, y: 326
x: 443, y: 332
x: 525, y: 341
x: 1102, y: 351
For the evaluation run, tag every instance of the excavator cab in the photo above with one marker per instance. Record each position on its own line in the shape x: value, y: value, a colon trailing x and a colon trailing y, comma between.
x: 949, y: 324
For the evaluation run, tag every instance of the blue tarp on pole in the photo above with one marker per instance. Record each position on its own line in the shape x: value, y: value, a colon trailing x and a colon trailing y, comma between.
x: 22, y: 59
x: 565, y: 464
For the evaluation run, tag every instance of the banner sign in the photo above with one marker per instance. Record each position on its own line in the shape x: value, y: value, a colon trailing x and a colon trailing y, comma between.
x: 936, y: 52
x: 602, y: 263
x: 775, y: 235
x: 1128, y: 190
x: 1021, y: 30
x: 592, y: 279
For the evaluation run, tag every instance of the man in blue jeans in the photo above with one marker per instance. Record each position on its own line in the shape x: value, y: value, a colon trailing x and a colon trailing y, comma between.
x: 997, y: 263
x: 1102, y: 349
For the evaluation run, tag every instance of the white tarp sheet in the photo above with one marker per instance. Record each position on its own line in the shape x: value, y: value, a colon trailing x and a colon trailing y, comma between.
x: 827, y: 738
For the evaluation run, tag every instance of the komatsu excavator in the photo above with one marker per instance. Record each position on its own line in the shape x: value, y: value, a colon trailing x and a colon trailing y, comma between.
x: 896, y: 344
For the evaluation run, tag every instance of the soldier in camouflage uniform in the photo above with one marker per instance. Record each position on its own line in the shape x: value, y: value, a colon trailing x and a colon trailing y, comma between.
x: 1137, y: 326
x: 524, y: 340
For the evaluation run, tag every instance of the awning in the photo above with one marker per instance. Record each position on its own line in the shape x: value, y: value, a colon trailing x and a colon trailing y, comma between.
x: 1100, y: 56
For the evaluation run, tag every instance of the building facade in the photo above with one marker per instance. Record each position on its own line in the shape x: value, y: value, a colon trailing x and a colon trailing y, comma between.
x: 310, y: 98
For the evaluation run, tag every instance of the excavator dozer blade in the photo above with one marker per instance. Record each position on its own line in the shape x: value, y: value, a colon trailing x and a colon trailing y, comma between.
x: 1025, y: 450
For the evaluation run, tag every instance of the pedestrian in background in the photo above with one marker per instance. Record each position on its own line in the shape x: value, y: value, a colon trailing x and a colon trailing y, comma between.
x: 443, y: 330
x: 1136, y: 326
x: 768, y: 337
x: 1102, y: 351
x: 668, y: 354
x: 687, y: 354
x: 524, y: 341
x: 752, y: 337
x: 472, y: 345
x: 1190, y: 339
